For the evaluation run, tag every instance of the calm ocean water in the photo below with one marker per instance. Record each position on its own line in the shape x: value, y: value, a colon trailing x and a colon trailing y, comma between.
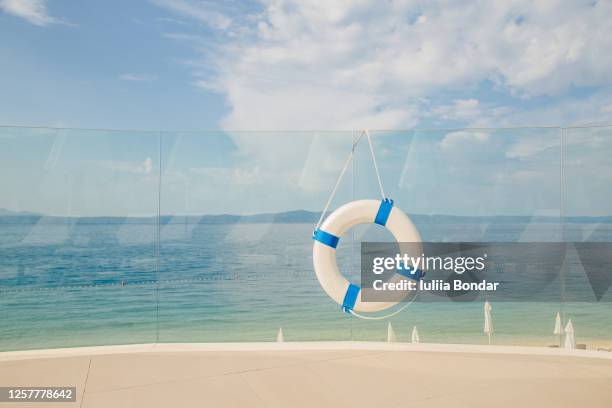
x: 76, y: 283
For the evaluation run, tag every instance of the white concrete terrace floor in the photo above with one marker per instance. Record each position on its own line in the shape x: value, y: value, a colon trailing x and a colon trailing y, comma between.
x: 334, y: 374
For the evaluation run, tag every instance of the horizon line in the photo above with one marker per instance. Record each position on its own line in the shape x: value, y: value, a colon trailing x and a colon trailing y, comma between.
x: 415, y: 129
x: 18, y: 214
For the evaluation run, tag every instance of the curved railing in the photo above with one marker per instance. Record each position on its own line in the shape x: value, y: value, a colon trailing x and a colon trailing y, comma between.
x: 114, y: 237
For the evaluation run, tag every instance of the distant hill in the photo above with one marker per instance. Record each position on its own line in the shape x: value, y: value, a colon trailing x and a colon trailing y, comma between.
x: 8, y: 213
x: 295, y: 217
x: 286, y: 217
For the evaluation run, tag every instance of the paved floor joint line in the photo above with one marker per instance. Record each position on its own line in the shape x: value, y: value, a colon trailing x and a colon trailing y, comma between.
x: 85, y: 383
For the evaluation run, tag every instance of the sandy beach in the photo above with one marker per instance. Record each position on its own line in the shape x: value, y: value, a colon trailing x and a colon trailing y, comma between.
x: 339, y: 374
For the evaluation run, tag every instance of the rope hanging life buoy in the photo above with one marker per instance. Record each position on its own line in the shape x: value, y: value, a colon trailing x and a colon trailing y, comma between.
x: 327, y: 234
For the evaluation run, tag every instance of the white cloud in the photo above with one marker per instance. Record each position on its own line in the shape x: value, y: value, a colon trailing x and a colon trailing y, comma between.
x: 171, y: 21
x: 34, y: 11
x: 138, y: 77
x: 527, y: 147
x: 335, y: 64
x: 540, y: 140
x: 344, y: 65
x: 234, y: 176
x: 144, y: 168
x: 560, y: 111
x: 468, y: 109
x: 147, y: 166
x: 463, y: 138
x: 202, y: 11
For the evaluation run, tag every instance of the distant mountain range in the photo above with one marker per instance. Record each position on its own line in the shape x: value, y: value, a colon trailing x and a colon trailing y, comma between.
x: 286, y: 217
x: 8, y: 213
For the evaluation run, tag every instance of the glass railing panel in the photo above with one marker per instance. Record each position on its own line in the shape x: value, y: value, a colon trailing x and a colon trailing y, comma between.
x: 79, y: 231
x: 468, y: 185
x: 238, y: 211
x: 77, y: 237
x: 587, y: 176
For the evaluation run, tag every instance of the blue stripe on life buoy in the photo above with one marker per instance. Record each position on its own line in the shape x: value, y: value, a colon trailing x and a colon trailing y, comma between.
x: 383, y: 211
x: 350, y: 297
x: 326, y: 238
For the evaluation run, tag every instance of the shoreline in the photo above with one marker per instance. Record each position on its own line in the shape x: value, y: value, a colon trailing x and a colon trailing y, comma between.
x: 403, y: 339
x: 300, y: 346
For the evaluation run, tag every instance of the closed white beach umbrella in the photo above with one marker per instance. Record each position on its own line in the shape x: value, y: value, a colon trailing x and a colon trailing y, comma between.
x: 558, y: 329
x: 488, y: 320
x: 280, y: 338
x: 415, y: 335
x: 570, y: 341
x: 391, y: 337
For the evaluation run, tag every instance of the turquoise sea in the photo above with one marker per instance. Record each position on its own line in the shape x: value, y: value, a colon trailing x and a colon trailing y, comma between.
x: 79, y: 282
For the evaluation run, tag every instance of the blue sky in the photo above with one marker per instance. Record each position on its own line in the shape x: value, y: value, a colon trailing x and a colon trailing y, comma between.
x: 193, y: 65
x: 104, y: 65
x: 205, y: 65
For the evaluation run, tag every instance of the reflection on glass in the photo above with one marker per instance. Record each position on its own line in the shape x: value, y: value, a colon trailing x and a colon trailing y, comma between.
x: 124, y: 237
x: 77, y: 237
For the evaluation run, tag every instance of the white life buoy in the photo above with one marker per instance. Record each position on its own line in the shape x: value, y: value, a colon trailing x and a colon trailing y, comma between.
x: 326, y: 239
